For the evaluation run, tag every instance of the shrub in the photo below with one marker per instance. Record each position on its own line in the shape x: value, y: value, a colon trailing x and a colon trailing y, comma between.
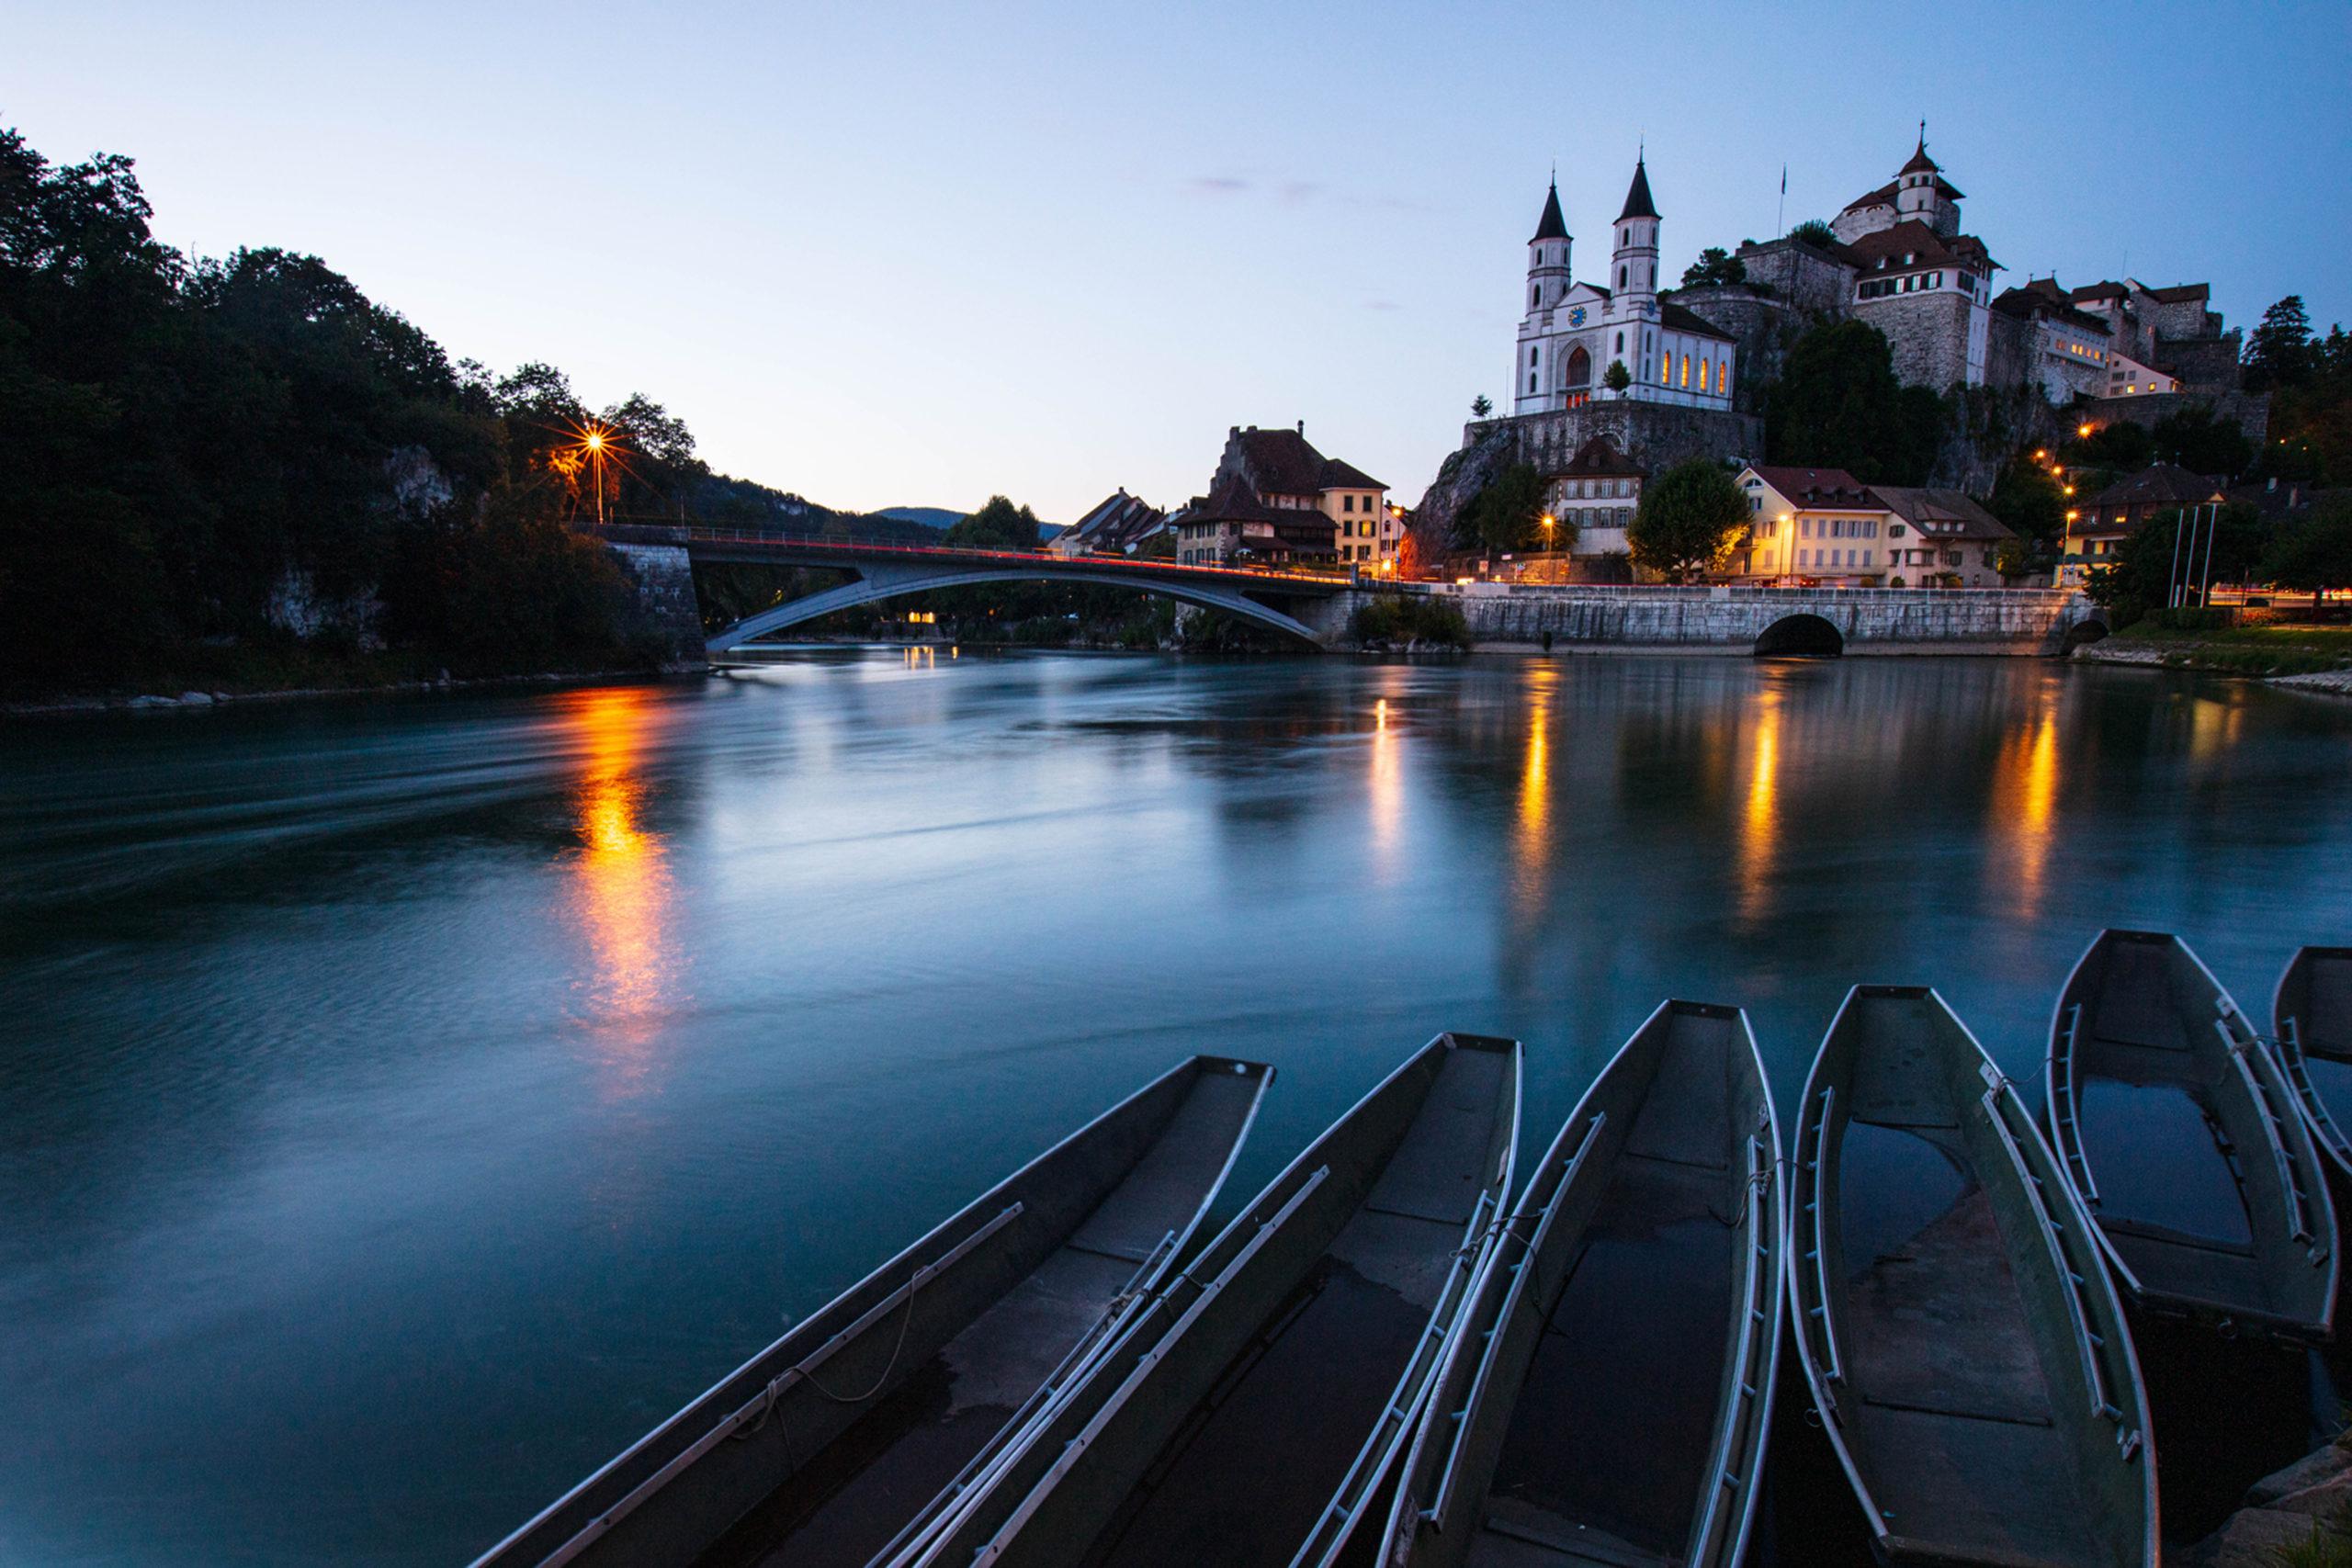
x: 1395, y: 619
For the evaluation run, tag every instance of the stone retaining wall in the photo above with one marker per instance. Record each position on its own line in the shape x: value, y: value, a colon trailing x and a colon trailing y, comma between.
x: 1871, y: 620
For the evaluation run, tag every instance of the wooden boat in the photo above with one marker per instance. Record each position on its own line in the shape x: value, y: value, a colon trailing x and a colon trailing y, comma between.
x: 1252, y: 1415
x: 1967, y: 1353
x: 828, y: 1441
x: 2179, y: 1131
x: 1609, y: 1393
x: 2310, y: 1019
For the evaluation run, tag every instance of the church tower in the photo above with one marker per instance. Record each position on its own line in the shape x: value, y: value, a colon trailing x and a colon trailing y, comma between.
x: 1632, y: 267
x: 1547, y: 256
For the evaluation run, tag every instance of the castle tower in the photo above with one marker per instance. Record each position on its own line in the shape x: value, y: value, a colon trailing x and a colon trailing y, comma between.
x: 1632, y: 267
x: 1547, y: 256
x: 1921, y: 194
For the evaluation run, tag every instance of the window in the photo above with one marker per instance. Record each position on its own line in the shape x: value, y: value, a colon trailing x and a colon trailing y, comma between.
x: 1535, y: 298
x: 1533, y: 356
x: 1804, y: 527
x: 1531, y: 383
x: 1621, y: 277
x: 1347, y: 503
x: 1621, y: 343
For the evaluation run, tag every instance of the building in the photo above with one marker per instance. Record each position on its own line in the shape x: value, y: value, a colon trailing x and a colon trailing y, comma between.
x: 1917, y: 278
x: 2099, y: 527
x: 2064, y: 350
x: 1265, y: 471
x: 1940, y: 539
x: 1230, y: 526
x: 1118, y: 525
x: 1574, y: 332
x: 1817, y: 527
x: 1596, y: 493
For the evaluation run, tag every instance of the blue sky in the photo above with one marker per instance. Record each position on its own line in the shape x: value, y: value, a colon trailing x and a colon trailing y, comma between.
x: 890, y: 254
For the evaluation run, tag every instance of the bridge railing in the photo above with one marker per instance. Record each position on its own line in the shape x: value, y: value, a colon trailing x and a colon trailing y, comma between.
x: 884, y: 544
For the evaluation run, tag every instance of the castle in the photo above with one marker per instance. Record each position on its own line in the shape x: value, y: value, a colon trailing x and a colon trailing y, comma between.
x: 1664, y: 374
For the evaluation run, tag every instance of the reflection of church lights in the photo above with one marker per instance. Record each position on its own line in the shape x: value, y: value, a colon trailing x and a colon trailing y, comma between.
x: 1534, y: 847
x: 1762, y: 820
x: 621, y: 888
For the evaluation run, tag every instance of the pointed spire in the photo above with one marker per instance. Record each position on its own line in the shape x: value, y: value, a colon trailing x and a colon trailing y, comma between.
x: 1637, y: 196
x: 1920, y: 163
x: 1551, y: 226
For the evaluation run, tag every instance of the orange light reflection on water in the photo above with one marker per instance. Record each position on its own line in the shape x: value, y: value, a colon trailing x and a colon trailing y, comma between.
x: 621, y: 888
x: 1760, y: 818
x: 2025, y: 800
x: 1532, y: 848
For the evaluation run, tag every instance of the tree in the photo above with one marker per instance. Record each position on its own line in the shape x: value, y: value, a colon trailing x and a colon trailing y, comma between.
x: 1837, y: 405
x: 2121, y: 446
x: 1481, y: 406
x: 2279, y: 354
x: 2146, y: 567
x: 2192, y: 437
x: 2029, y: 501
x: 1617, y: 377
x: 2316, y: 554
x: 1814, y: 232
x: 999, y: 526
x: 1688, y: 519
x: 1504, y: 515
x: 1715, y: 267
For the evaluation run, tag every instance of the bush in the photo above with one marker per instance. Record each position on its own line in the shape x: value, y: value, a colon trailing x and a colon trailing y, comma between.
x: 1395, y: 619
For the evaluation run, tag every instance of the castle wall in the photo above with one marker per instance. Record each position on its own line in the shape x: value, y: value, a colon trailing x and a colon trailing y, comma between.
x: 2251, y: 410
x: 1929, y: 332
x: 1656, y: 435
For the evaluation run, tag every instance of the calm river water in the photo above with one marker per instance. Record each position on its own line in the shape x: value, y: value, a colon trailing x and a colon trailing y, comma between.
x: 407, y: 1102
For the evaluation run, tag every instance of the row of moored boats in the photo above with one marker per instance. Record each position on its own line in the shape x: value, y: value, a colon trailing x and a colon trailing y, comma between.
x: 1400, y: 1352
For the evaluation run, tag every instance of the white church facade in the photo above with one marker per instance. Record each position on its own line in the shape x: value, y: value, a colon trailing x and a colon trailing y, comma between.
x: 1573, y: 334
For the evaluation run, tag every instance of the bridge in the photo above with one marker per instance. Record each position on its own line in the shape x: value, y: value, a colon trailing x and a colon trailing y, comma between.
x: 1316, y: 609
x: 1297, y: 604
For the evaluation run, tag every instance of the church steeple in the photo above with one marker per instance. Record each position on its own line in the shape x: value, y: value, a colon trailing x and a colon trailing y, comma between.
x: 1547, y: 256
x: 1923, y: 195
x: 1632, y: 266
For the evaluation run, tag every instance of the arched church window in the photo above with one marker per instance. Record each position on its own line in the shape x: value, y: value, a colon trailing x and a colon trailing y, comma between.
x: 1621, y: 343
x: 1621, y: 277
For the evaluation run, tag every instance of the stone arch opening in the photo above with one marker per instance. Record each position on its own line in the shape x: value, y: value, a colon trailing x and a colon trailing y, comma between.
x: 2082, y: 634
x: 1800, y: 637
x: 1579, y: 368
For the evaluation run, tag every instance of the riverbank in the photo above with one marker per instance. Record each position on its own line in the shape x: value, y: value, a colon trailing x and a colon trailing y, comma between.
x: 197, y: 699
x: 2316, y: 658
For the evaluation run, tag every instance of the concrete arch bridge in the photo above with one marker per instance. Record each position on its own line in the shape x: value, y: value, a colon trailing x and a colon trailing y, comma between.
x: 1306, y: 607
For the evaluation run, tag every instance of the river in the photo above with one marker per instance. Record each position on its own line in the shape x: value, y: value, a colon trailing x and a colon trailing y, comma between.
x: 407, y: 1102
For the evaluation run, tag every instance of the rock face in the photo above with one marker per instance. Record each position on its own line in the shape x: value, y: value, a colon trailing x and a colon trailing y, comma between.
x: 1656, y: 435
x: 2313, y: 1494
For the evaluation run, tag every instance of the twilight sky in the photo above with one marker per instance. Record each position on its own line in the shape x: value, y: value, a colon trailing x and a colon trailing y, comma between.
x: 890, y: 255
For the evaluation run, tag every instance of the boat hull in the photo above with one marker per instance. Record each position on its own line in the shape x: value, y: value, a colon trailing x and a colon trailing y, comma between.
x: 1029, y: 1278
x: 1673, y: 1151
x: 2179, y: 1133
x: 1962, y: 1343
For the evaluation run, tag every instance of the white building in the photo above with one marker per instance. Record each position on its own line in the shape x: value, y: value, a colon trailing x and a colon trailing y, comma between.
x: 1572, y: 332
x: 1812, y: 526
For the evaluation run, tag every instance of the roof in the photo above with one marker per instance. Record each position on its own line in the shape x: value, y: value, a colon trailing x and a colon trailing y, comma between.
x: 1922, y: 244
x: 1883, y: 196
x: 1942, y: 514
x: 1920, y: 163
x: 1551, y: 226
x: 1637, y: 195
x: 1233, y: 502
x: 1119, y: 521
x: 2099, y: 292
x: 1279, y: 462
x: 2160, y: 484
x: 1346, y: 475
x: 2041, y: 298
x: 1598, y: 457
x: 2181, y: 293
x: 1813, y: 489
x: 1676, y: 317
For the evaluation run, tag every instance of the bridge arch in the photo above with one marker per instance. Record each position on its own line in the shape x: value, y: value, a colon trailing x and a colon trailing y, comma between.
x: 881, y: 581
x: 1800, y: 637
x: 2087, y: 630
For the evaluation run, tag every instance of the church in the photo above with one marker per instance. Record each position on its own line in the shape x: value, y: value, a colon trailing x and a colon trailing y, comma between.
x: 1584, y: 341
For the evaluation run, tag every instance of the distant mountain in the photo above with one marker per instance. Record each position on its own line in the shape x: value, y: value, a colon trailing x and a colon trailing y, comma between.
x: 929, y: 516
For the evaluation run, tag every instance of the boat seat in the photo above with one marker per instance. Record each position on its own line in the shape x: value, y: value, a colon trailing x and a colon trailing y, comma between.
x: 1516, y: 1532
